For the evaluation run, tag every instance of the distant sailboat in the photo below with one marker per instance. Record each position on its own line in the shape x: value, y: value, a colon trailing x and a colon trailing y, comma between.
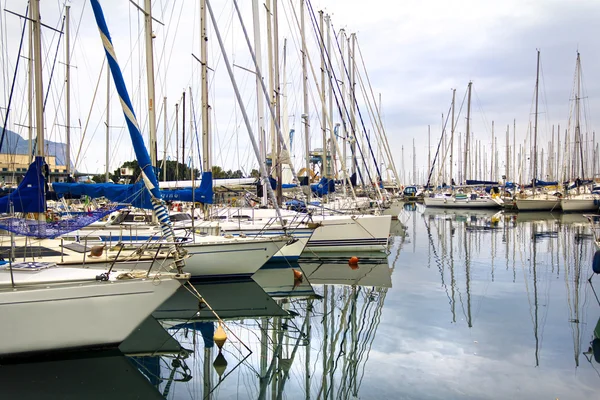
x: 537, y: 201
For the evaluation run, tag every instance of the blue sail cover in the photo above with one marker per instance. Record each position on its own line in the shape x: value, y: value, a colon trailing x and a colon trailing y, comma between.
x: 135, y: 194
x: 477, y: 182
x: 203, y: 194
x: 29, y: 197
x: 324, y: 187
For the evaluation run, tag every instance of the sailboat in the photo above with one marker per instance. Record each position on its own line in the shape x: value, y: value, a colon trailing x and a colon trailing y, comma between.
x: 46, y: 307
x: 537, y: 201
x: 578, y: 196
x: 470, y: 195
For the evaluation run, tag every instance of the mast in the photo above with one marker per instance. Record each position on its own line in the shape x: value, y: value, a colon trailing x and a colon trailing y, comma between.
x: 206, y: 156
x: 507, y: 169
x: 343, y: 132
x: 352, y: 72
x: 107, y: 171
x: 30, y: 86
x: 332, y: 138
x: 277, y: 88
x: 577, y: 116
x: 465, y: 170
x: 37, y: 62
x: 177, y: 141
x: 183, y: 134
x: 305, y: 100
x: 535, y: 128
x: 271, y: 84
x: 452, y: 137
x: 492, y: 155
x: 259, y: 100
x: 68, y: 89
x: 428, y: 149
x: 324, y: 170
x: 150, y: 79
x: 165, y: 138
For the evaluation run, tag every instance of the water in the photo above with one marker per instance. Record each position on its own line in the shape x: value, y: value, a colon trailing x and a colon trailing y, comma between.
x: 468, y: 305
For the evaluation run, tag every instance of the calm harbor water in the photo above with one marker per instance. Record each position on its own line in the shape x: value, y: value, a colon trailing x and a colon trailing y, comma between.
x: 472, y: 305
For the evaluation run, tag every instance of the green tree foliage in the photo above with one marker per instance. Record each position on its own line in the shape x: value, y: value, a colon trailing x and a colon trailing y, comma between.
x: 174, y: 171
x: 220, y: 173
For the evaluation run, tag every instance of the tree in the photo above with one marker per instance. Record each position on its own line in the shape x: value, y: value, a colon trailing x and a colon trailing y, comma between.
x: 174, y: 170
x: 100, y: 178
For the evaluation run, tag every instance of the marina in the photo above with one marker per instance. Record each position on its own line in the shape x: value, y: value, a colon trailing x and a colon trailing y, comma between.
x: 211, y: 200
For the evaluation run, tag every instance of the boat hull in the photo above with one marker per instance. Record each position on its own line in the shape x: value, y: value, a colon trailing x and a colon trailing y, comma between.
x: 450, y: 202
x: 230, y: 258
x: 355, y: 233
x: 538, y: 204
x: 75, y: 314
x: 573, y: 205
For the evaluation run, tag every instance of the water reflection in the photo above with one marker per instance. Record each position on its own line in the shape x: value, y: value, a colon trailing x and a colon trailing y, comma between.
x: 466, y: 304
x: 302, y: 344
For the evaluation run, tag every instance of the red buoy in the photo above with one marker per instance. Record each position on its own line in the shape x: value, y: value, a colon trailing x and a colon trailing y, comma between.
x: 353, y: 262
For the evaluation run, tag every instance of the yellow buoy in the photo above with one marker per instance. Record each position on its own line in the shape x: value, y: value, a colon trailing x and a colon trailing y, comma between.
x: 220, y: 336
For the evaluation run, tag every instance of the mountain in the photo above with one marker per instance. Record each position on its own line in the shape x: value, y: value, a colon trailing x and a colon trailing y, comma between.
x: 15, y: 144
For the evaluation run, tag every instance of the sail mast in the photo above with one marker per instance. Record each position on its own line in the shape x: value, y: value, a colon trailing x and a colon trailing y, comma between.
x: 535, y: 127
x: 452, y: 137
x: 68, y: 88
x: 30, y: 85
x: 206, y: 156
x: 259, y: 100
x: 37, y: 62
x: 106, y: 172
x: 150, y: 79
x: 465, y: 169
x: 305, y: 100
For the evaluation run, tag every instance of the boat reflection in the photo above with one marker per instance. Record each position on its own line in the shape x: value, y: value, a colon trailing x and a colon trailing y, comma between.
x: 534, y: 249
x: 77, y: 375
x: 316, y: 343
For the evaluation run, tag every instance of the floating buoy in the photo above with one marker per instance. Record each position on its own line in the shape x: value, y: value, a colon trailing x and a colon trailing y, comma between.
x: 353, y: 262
x: 220, y: 364
x: 298, y: 276
x: 596, y: 262
x: 220, y: 336
x: 96, y: 251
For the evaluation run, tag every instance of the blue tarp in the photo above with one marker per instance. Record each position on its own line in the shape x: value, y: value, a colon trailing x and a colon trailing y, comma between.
x: 296, y: 205
x: 29, y: 197
x: 476, y: 182
x: 203, y: 194
x: 324, y: 187
x: 539, y: 183
x: 135, y: 194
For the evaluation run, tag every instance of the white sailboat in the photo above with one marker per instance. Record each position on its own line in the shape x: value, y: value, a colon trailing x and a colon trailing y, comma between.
x: 578, y: 197
x: 46, y: 307
x: 538, y: 201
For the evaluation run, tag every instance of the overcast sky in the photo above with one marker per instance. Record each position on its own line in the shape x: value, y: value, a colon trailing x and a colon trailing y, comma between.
x: 415, y: 53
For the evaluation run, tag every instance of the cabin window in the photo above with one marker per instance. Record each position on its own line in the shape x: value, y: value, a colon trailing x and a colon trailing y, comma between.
x: 139, y: 218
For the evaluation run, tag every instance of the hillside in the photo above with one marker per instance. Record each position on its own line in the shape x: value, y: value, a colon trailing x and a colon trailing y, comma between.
x: 15, y: 144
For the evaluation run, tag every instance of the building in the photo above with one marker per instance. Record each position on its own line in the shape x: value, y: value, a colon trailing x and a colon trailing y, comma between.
x: 14, y: 166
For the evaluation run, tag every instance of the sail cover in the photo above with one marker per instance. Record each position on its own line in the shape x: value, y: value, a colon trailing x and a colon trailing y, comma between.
x: 30, y: 194
x: 203, y: 194
x: 134, y: 194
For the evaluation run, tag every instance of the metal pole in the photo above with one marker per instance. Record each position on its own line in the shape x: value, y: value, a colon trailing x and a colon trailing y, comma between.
x: 150, y: 79
x: 68, y: 88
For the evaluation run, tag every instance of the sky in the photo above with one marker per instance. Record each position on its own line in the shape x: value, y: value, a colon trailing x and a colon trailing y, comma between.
x: 415, y: 53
